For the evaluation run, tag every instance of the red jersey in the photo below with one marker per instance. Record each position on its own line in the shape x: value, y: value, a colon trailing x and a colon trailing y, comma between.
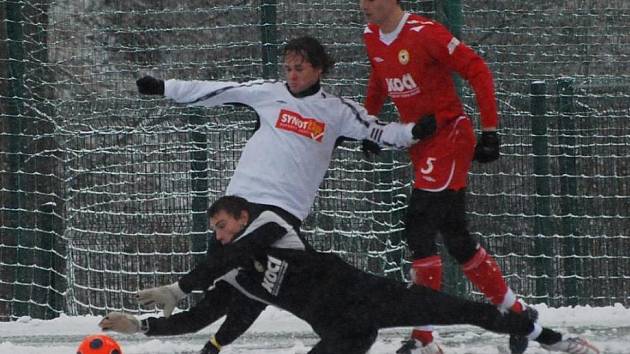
x: 414, y: 69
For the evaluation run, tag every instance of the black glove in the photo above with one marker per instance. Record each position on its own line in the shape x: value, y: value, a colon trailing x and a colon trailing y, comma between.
x: 487, y: 149
x: 370, y: 148
x: 211, y: 347
x: 149, y: 85
x: 425, y: 127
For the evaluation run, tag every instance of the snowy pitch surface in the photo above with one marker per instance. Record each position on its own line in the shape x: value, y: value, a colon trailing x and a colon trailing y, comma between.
x: 277, y: 332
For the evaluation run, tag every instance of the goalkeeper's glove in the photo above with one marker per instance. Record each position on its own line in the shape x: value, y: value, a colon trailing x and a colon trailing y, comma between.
x: 166, y: 296
x: 370, y: 148
x: 425, y: 127
x: 149, y: 85
x: 211, y: 347
x: 487, y: 149
x: 120, y: 322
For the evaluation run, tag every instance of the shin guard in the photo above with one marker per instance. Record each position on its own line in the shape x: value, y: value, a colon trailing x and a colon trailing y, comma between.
x: 483, y: 271
x: 426, y: 272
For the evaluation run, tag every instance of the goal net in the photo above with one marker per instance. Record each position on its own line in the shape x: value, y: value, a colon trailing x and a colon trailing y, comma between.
x: 103, y: 191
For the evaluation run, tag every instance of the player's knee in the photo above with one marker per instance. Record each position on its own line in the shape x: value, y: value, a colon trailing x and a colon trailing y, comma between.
x: 421, y: 244
x: 462, y: 247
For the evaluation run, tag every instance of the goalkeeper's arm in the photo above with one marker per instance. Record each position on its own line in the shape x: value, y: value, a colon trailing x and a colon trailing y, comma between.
x: 211, y: 308
x: 242, y: 312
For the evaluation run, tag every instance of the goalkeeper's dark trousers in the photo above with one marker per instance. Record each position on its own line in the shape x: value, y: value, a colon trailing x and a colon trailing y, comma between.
x: 382, y: 303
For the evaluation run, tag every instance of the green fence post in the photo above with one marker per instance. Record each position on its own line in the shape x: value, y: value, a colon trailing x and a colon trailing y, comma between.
x: 269, y: 38
x: 568, y: 185
x: 452, y: 16
x: 542, y: 226
x: 201, y: 239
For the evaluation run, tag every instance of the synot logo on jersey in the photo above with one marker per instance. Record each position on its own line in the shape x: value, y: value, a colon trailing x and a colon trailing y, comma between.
x: 308, y: 127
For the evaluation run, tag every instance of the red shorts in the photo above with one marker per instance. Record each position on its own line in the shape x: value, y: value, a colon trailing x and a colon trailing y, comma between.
x: 443, y: 161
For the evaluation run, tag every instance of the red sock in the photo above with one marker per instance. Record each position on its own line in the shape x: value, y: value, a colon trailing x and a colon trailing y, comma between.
x: 517, y: 307
x: 427, y: 272
x: 425, y: 337
x: 483, y: 271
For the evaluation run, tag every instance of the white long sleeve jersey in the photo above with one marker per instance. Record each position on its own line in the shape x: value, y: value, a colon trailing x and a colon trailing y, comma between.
x: 285, y: 161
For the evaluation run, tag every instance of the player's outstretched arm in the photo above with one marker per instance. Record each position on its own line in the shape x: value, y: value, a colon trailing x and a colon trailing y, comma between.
x: 167, y: 296
x: 120, y: 322
x: 241, y: 314
x: 359, y: 125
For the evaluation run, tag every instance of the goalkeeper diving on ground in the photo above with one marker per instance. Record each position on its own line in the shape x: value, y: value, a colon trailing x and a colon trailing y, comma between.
x: 263, y: 258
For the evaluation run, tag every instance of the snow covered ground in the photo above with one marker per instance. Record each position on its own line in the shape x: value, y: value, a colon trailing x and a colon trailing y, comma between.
x: 277, y: 332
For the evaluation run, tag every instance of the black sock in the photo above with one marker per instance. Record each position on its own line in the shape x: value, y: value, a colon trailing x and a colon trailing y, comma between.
x: 549, y: 337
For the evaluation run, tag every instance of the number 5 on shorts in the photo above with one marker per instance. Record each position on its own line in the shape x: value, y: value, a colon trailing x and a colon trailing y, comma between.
x: 429, y: 166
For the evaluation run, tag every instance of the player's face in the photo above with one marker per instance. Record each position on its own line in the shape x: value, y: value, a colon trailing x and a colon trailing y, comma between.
x: 299, y: 73
x: 226, y: 226
x: 378, y: 11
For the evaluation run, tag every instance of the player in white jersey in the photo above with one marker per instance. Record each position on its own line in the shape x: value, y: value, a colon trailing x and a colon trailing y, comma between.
x: 284, y: 162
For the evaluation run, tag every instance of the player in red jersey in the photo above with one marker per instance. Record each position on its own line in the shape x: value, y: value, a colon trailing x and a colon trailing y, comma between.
x: 412, y: 61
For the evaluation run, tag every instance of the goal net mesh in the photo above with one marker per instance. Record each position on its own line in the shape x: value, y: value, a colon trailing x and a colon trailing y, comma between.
x: 103, y: 191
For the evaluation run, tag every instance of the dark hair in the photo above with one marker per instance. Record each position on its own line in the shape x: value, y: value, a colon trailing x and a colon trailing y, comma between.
x: 231, y: 204
x: 312, y: 51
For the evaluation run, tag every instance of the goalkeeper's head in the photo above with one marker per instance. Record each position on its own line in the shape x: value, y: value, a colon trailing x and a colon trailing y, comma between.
x: 305, y: 62
x: 228, y: 217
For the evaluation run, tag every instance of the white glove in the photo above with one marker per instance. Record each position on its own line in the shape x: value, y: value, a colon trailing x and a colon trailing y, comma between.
x: 166, y: 296
x: 120, y: 322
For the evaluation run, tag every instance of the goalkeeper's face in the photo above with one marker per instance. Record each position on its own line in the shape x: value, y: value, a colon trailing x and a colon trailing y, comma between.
x: 299, y: 72
x: 226, y: 226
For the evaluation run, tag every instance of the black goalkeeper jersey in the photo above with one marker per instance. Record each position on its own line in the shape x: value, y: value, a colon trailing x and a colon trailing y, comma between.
x: 270, y: 264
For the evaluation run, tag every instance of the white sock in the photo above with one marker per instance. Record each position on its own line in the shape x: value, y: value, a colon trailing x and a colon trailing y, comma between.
x: 535, y: 332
